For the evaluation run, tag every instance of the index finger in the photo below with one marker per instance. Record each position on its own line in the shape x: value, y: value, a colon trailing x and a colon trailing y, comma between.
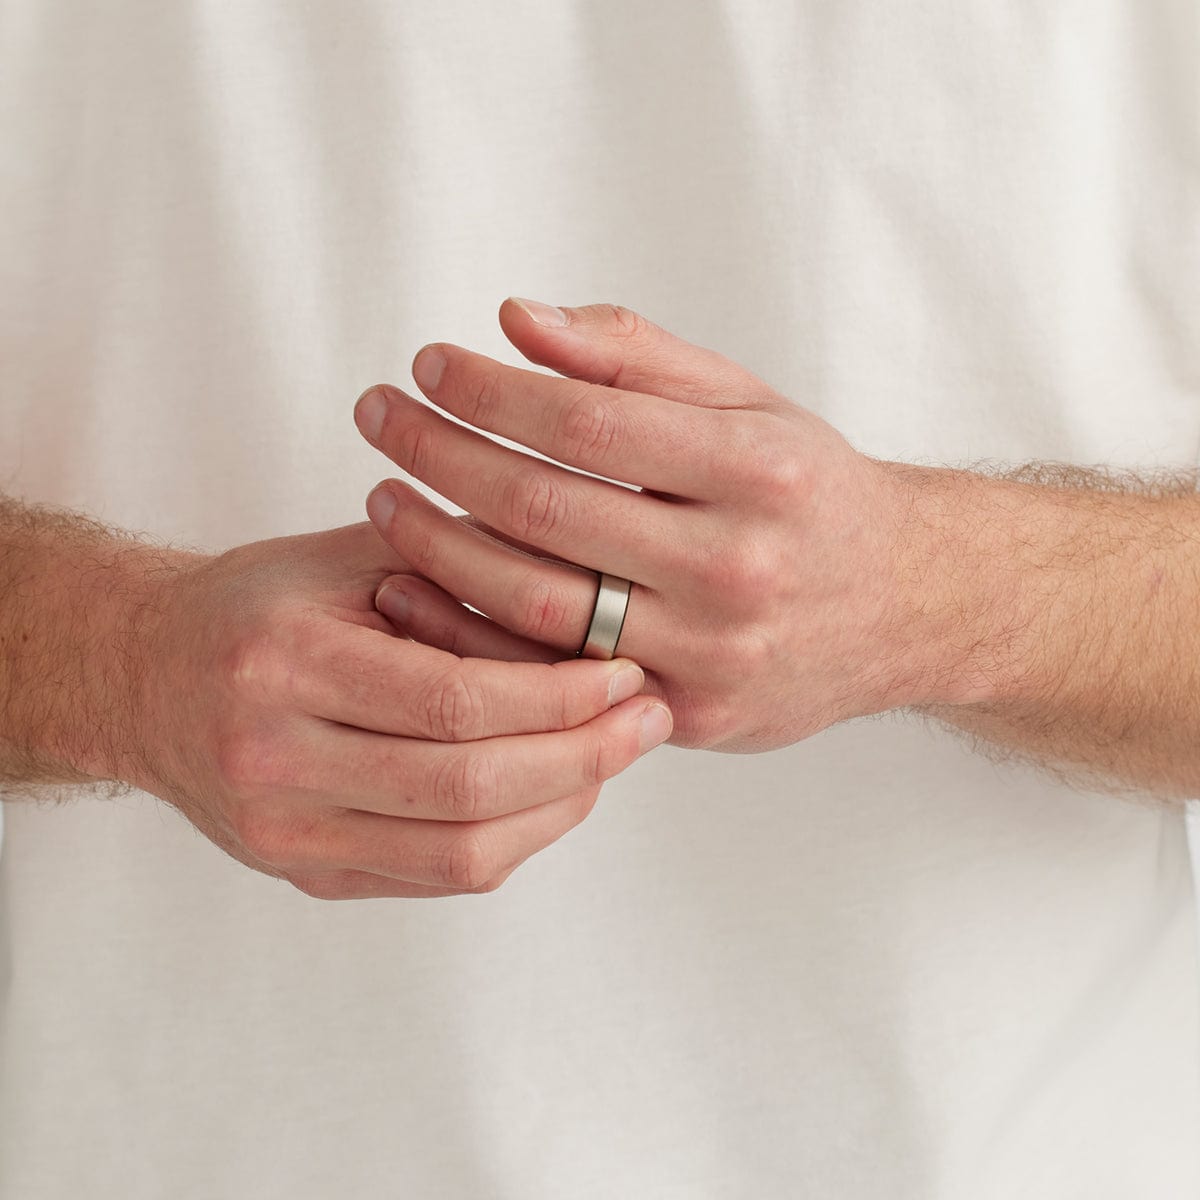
x: 371, y: 680
x: 633, y: 437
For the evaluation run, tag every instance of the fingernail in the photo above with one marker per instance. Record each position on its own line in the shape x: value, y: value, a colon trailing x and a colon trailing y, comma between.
x: 626, y: 682
x: 655, y: 727
x: 381, y: 506
x: 369, y: 411
x: 393, y: 603
x: 543, y: 314
x: 428, y: 368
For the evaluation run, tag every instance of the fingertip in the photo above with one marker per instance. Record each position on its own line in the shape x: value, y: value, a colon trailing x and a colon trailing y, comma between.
x: 428, y: 365
x: 369, y: 412
x: 626, y: 680
x: 547, y: 316
x: 375, y: 387
x: 381, y: 505
x: 655, y: 726
x: 393, y: 601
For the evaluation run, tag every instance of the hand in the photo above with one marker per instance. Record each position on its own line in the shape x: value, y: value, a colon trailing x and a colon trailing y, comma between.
x: 286, y: 720
x: 764, y: 551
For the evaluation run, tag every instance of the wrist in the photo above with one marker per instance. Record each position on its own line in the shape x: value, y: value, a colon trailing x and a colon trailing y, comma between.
x: 144, y: 587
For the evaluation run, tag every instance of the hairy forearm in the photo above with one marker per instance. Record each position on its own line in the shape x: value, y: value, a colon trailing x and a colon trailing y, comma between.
x: 1060, y: 614
x: 76, y: 601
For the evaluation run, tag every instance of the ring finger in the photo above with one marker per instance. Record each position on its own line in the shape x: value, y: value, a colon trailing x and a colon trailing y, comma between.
x: 549, y: 602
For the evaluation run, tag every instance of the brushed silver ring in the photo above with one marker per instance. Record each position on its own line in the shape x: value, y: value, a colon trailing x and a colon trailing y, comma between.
x: 608, y: 617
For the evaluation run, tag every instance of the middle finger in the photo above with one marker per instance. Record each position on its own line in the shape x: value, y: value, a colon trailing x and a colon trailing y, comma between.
x: 579, y: 518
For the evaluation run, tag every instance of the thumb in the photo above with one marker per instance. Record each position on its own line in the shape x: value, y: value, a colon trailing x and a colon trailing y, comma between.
x: 617, y: 347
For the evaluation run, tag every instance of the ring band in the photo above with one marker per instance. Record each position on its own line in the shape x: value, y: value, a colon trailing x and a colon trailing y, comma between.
x: 608, y: 617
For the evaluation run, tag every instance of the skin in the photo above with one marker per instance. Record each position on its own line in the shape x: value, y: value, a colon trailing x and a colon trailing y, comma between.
x: 263, y: 695
x: 782, y: 580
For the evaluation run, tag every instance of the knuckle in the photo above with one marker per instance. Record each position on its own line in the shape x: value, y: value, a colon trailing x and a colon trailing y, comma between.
x: 537, y: 506
x: 468, y: 865
x: 419, y: 547
x: 626, y: 323
x: 480, y: 394
x: 544, y: 609
x: 589, y: 429
x: 252, y: 665
x: 452, y: 708
x: 465, y: 784
x: 778, y: 475
x: 413, y: 448
x: 749, y: 576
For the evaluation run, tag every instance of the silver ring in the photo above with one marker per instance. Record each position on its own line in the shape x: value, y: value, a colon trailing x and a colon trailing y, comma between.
x: 608, y: 617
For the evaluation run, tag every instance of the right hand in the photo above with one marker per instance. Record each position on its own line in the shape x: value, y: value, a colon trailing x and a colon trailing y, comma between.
x: 283, y: 716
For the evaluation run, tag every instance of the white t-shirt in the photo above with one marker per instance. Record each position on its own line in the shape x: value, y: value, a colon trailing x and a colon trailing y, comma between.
x: 873, y: 964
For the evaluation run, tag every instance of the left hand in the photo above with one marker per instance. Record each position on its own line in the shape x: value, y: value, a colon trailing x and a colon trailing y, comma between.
x: 765, y: 552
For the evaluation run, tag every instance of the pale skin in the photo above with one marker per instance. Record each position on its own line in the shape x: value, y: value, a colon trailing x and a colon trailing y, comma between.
x: 261, y: 693
x: 782, y: 580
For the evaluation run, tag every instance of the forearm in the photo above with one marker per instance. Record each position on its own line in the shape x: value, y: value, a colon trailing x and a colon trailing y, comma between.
x: 1062, y: 619
x: 76, y: 601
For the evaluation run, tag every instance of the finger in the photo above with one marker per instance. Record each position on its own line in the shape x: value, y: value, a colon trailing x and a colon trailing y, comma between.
x: 618, y: 348
x: 480, y: 780
x: 436, y: 618
x: 426, y: 613
x: 343, y: 884
x: 585, y: 520
x: 486, y: 529
x: 371, y: 680
x: 456, y: 857
x: 645, y: 440
x: 547, y: 602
